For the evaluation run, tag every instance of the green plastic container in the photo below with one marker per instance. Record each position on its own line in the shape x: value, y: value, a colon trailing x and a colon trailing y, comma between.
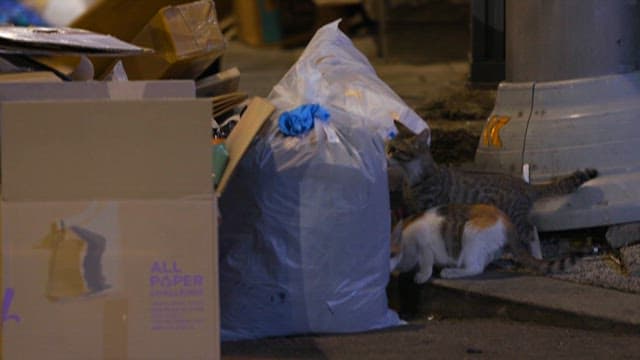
x: 220, y: 158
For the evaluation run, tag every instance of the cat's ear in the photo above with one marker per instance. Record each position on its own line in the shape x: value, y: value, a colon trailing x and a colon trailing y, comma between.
x: 424, y: 138
x: 402, y: 129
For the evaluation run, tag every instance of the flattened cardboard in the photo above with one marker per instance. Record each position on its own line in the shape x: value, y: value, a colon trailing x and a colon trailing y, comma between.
x: 224, y: 103
x: 32, y: 40
x: 105, y: 149
x: 257, y: 113
x: 224, y: 82
x: 29, y: 76
x: 158, y: 298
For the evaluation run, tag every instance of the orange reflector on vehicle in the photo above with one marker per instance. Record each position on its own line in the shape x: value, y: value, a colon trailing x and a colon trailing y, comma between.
x: 491, y: 131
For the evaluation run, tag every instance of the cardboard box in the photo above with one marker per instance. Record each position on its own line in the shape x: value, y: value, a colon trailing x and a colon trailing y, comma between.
x: 186, y: 39
x: 120, y: 18
x: 29, y: 76
x: 109, y: 234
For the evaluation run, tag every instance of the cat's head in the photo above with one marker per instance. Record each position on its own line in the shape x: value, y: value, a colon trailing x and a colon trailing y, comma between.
x: 407, y: 145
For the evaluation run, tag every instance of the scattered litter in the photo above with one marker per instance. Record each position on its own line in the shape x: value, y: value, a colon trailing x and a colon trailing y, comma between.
x: 474, y: 351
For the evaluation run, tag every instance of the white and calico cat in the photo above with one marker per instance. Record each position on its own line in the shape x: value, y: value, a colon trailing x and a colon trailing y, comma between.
x: 462, y: 239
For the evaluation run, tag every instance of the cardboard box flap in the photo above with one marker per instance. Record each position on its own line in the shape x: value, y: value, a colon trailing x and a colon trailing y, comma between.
x: 257, y: 113
x: 97, y: 90
x: 105, y: 149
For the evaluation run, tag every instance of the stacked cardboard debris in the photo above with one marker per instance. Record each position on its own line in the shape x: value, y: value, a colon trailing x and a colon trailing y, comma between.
x: 185, y: 35
x: 107, y: 203
x: 187, y: 41
x: 108, y: 206
x: 27, y: 49
x: 166, y: 39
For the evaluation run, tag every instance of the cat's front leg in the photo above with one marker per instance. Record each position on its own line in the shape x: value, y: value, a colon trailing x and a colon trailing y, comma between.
x: 471, y: 266
x: 453, y: 273
x: 423, y: 276
x: 425, y: 263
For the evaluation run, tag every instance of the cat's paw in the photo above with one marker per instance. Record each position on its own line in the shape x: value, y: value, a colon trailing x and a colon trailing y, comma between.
x: 422, y: 277
x: 452, y: 273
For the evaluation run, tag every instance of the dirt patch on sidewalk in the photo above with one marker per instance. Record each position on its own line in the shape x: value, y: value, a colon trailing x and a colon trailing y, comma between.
x: 456, y: 120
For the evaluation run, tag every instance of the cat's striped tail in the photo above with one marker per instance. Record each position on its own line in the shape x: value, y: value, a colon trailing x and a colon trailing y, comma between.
x: 546, y: 267
x: 566, y: 184
x: 522, y: 256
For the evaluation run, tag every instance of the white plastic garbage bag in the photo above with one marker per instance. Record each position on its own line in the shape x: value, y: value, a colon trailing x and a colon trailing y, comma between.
x: 304, y: 237
x: 333, y: 73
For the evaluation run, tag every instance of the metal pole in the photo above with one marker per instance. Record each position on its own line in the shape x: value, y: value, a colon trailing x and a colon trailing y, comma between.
x: 548, y: 40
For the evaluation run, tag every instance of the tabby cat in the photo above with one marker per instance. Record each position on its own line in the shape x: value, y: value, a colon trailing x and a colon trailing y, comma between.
x: 463, y: 239
x: 427, y: 185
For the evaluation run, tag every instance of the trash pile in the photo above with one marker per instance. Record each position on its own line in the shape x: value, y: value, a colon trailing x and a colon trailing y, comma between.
x: 140, y: 133
x: 108, y: 207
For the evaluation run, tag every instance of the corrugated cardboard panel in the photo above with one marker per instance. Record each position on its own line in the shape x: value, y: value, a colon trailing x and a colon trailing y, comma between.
x: 114, y: 329
x: 98, y: 149
x: 97, y: 90
x: 156, y: 296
